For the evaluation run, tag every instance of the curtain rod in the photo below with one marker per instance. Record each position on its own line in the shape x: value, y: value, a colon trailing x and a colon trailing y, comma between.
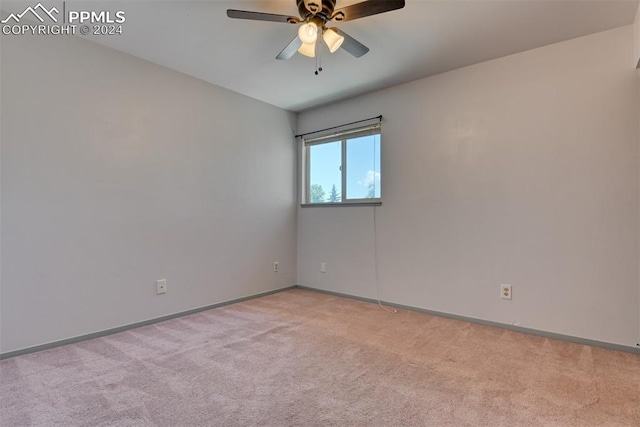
x: 336, y: 127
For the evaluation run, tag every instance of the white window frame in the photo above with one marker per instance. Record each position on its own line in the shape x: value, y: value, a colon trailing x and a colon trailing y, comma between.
x: 343, y: 137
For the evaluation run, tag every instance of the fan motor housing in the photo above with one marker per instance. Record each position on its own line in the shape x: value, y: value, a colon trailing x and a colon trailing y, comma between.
x: 325, y: 14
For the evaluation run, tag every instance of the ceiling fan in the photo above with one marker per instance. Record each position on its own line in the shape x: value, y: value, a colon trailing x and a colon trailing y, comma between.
x: 314, y: 17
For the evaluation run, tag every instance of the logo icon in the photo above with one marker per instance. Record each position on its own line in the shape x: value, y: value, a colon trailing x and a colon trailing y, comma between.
x: 34, y: 11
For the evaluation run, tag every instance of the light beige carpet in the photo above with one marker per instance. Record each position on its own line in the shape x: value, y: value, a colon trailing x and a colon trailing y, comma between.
x: 301, y: 358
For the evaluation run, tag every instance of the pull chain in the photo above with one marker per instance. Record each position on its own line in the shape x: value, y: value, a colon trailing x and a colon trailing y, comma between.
x: 319, y: 53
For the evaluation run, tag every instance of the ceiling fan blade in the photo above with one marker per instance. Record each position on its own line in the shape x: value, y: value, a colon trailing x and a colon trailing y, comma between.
x: 259, y: 16
x: 351, y: 45
x: 366, y: 8
x: 290, y: 49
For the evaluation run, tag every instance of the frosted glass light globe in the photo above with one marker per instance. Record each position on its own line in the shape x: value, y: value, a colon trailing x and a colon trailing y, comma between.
x: 308, y: 50
x: 308, y: 33
x: 332, y: 39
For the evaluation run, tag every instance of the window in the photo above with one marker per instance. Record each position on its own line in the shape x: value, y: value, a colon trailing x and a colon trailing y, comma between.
x: 343, y: 168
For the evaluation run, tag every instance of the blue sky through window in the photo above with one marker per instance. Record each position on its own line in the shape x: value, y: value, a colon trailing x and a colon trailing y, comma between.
x: 324, y: 168
x: 363, y: 168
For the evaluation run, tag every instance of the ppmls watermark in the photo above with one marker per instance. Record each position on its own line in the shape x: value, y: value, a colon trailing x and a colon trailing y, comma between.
x: 67, y: 22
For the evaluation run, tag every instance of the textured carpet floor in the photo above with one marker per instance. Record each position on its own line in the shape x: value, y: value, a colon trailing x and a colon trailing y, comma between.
x: 301, y: 358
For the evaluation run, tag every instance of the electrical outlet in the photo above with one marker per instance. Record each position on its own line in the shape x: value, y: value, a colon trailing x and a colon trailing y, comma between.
x: 505, y: 291
x: 323, y: 267
x: 276, y: 267
x: 161, y: 286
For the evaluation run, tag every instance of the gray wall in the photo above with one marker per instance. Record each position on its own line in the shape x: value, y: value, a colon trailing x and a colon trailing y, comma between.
x: 522, y: 170
x: 636, y: 39
x: 117, y: 172
x: 636, y: 62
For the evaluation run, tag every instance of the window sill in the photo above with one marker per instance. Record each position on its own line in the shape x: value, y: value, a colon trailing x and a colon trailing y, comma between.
x: 333, y: 205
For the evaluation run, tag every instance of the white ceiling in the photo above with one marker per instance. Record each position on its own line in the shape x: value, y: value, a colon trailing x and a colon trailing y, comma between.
x: 427, y: 37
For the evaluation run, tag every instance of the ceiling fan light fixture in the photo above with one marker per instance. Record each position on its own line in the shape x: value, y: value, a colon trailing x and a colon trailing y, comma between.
x: 332, y: 39
x: 308, y: 49
x: 308, y: 32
